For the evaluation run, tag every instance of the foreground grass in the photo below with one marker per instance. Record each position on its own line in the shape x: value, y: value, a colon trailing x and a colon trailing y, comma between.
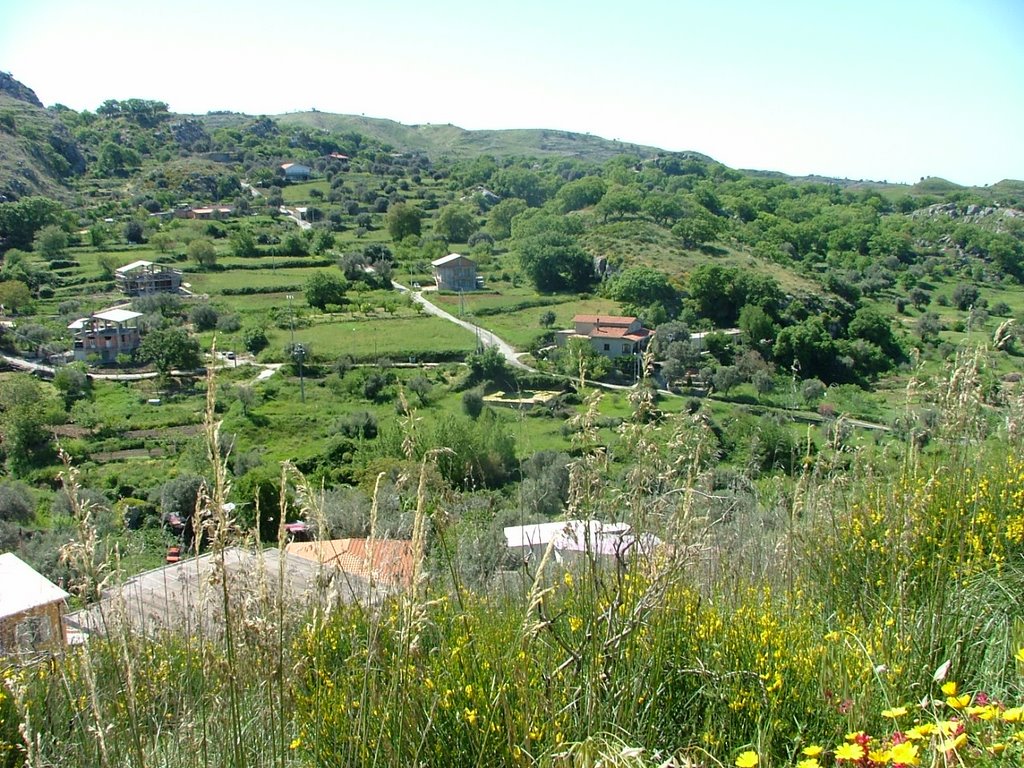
x: 850, y: 617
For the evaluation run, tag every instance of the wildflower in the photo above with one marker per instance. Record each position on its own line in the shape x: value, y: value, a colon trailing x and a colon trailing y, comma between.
x: 296, y: 743
x: 950, y: 688
x: 567, y: 578
x: 894, y: 713
x: 470, y: 715
x: 747, y: 759
x: 810, y: 762
x: 997, y: 748
x: 575, y: 622
x: 1019, y: 655
x: 469, y: 691
x: 1013, y: 714
x: 958, y: 702
x: 880, y: 756
x: 904, y: 754
x: 848, y: 751
x: 953, y: 744
x: 812, y: 750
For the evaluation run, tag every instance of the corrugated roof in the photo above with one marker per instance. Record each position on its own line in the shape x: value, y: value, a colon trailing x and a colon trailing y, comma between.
x: 133, y: 266
x: 187, y: 595
x: 451, y: 257
x: 23, y: 588
x: 117, y: 315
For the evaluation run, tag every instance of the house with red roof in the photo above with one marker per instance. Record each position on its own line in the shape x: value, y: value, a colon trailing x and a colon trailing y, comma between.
x: 610, y: 335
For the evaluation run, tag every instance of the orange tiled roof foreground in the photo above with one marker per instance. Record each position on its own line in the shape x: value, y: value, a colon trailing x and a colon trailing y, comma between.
x: 391, y: 562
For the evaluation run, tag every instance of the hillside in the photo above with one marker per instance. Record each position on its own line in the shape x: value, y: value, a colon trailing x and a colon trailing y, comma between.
x: 451, y: 141
x: 37, y: 155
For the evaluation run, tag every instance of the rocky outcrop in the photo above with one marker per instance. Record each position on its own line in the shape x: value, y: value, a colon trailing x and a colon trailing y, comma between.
x: 17, y: 90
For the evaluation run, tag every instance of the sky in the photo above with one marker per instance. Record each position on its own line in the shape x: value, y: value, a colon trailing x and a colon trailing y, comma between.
x: 888, y: 90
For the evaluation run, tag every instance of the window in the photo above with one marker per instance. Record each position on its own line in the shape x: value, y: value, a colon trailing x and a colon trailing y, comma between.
x: 607, y: 348
x: 626, y: 348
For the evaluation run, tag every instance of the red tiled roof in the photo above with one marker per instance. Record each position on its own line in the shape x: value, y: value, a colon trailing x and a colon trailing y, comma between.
x: 392, y: 558
x: 604, y: 320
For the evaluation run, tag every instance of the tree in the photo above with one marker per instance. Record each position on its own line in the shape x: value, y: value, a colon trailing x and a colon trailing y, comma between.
x: 202, y: 252
x: 19, y: 221
x: 403, y: 220
x: 14, y: 296
x: 641, y: 287
x: 323, y: 288
x: 487, y: 364
x: 204, y: 316
x: 499, y: 220
x: 50, y: 242
x: 756, y: 325
x: 72, y: 383
x: 523, y: 183
x: 455, y: 223
x: 551, y: 256
x: 809, y: 347
x: 254, y: 339
x: 619, y: 202
x: 168, y: 349
x: 581, y: 193
x: 134, y: 232
x: 929, y: 325
x: 697, y: 229
x: 965, y: 296
x: 726, y: 377
x: 26, y: 409
x: 243, y: 243
x: 578, y: 359
x: 16, y: 504
x: 547, y: 319
x: 473, y: 402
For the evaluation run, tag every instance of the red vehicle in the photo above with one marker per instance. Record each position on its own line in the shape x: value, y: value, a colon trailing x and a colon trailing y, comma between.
x: 173, y: 554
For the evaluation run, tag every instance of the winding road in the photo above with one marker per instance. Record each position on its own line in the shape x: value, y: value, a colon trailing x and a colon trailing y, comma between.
x: 486, y: 338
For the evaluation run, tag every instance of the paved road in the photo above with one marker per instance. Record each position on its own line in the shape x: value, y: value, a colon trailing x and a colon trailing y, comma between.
x: 487, y: 338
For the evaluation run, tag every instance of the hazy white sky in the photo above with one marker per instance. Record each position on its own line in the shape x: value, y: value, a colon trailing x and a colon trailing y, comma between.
x: 876, y: 89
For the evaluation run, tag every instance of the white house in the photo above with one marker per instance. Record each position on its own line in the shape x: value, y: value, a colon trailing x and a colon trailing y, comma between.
x: 610, y: 335
x: 31, y: 609
x: 569, y: 540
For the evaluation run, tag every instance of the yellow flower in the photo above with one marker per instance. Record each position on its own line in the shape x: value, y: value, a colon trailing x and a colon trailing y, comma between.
x: 880, y: 756
x: 470, y: 715
x: 997, y: 749
x: 950, y: 688
x: 747, y: 759
x: 567, y: 578
x: 812, y: 750
x: 948, y: 745
x: 852, y: 736
x: 575, y: 622
x: 904, y: 754
x: 958, y: 702
x: 296, y: 743
x: 1019, y: 655
x: 894, y: 713
x: 850, y: 751
x: 1014, y: 714
x: 811, y: 762
x: 469, y: 691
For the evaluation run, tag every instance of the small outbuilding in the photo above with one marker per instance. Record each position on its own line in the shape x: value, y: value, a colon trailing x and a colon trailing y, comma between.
x: 454, y: 272
x: 31, y: 609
